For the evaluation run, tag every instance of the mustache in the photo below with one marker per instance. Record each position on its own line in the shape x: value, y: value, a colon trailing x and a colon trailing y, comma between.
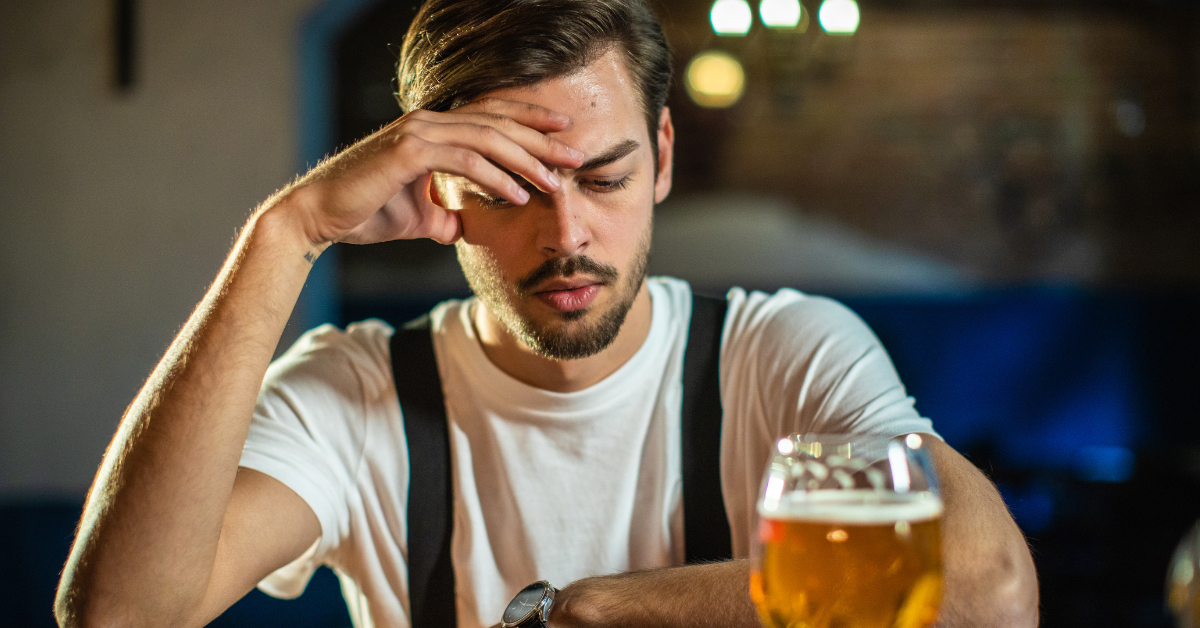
x: 565, y: 267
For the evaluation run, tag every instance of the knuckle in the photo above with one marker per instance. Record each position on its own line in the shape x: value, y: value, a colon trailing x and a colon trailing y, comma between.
x: 419, y: 114
x: 498, y: 119
x: 406, y: 143
x: 488, y: 134
x: 403, y: 130
x: 469, y: 160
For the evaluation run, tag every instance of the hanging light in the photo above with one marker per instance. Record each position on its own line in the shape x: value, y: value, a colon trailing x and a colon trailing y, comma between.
x: 715, y: 79
x: 731, y: 17
x: 780, y: 13
x: 839, y: 16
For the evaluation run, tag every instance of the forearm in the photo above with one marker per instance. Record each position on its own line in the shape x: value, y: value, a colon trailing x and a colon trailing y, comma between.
x: 716, y: 594
x: 990, y: 576
x: 153, y: 518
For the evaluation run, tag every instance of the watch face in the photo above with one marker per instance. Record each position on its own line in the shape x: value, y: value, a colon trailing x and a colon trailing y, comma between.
x: 524, y: 604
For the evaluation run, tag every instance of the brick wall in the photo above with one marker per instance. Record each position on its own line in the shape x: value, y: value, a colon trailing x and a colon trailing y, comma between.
x: 1018, y: 145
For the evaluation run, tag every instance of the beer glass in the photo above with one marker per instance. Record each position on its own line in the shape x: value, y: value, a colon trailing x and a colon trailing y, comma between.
x: 1183, y: 581
x: 849, y: 534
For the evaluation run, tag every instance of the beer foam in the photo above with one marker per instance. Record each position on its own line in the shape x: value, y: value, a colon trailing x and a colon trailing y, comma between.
x: 853, y: 507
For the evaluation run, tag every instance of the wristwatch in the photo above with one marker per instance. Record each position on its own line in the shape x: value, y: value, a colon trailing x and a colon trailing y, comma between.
x: 531, y: 607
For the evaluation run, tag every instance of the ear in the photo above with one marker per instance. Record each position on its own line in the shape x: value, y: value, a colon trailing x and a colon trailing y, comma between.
x: 666, y: 146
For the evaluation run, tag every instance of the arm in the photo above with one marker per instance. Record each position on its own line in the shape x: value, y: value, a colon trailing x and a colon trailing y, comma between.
x: 990, y: 577
x: 716, y: 594
x: 173, y: 532
x: 152, y: 545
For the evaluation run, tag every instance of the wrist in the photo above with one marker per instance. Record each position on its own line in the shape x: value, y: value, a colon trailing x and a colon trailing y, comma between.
x: 574, y: 607
x: 282, y: 221
x: 530, y: 607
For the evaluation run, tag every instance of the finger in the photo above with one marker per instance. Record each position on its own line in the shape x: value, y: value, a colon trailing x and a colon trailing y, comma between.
x: 440, y: 224
x: 519, y: 149
x: 531, y: 115
x: 445, y: 225
x: 504, y: 113
x: 541, y: 145
x: 471, y: 164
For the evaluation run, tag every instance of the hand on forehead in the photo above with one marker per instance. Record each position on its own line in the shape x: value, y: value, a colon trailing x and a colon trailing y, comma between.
x: 606, y: 124
x: 600, y: 99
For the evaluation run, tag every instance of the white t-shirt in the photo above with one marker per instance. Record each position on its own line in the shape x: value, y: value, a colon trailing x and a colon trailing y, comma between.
x: 549, y: 485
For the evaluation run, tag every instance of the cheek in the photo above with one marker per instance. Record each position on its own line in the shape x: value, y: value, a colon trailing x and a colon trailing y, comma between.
x: 623, y: 228
x: 487, y: 227
x: 479, y: 264
x: 493, y: 241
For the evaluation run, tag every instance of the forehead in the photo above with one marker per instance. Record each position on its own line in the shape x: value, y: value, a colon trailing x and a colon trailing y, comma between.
x: 601, y: 99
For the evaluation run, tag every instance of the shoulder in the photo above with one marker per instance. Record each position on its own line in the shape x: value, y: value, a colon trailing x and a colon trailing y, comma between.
x: 816, y: 364
x: 670, y: 294
x: 354, y: 361
x: 361, y: 338
x: 786, y: 316
x: 793, y: 318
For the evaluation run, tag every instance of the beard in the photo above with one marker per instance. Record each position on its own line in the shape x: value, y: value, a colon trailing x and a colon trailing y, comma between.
x: 571, y: 335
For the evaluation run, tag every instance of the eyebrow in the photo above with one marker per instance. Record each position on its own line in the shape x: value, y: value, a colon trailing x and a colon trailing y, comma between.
x: 609, y: 156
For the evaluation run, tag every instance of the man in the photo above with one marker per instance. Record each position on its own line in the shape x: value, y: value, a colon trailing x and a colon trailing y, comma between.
x: 537, y: 142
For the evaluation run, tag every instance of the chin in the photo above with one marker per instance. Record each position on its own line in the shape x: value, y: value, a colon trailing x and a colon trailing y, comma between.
x: 576, y: 334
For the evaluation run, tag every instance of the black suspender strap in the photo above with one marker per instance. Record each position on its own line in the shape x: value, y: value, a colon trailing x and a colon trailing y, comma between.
x: 430, y: 491
x: 705, y: 525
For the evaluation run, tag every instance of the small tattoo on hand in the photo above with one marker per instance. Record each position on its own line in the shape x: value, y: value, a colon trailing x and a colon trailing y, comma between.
x: 310, y: 257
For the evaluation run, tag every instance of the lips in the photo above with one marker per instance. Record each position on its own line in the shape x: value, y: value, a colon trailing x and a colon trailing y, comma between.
x: 568, y: 297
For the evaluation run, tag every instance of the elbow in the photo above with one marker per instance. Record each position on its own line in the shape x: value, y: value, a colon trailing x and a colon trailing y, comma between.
x: 72, y: 613
x: 91, y: 598
x: 75, y: 607
x: 1016, y: 598
x: 69, y: 602
x: 78, y: 606
x: 70, y: 610
x: 1000, y: 592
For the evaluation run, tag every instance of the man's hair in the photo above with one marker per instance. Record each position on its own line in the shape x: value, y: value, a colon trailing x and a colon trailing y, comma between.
x: 458, y: 50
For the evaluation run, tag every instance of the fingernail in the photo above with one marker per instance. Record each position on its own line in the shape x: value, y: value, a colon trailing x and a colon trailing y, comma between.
x: 522, y: 195
x: 553, y: 178
x: 558, y: 117
x: 574, y: 153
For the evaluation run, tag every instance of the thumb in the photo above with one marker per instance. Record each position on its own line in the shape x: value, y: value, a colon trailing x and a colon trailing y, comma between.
x: 445, y: 225
x: 441, y: 224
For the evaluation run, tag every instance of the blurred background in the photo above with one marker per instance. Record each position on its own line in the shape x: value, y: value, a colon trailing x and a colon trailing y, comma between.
x: 1006, y: 190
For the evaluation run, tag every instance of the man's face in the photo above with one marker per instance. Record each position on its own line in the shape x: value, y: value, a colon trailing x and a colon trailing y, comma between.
x: 561, y: 272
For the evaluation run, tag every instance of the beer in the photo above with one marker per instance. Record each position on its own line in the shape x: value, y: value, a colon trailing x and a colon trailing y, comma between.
x: 849, y: 559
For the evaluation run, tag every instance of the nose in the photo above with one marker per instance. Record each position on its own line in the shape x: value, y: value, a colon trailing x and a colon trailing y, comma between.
x: 562, y: 225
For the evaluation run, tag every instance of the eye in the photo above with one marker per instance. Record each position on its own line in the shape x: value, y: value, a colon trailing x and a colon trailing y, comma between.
x: 609, y: 185
x: 492, y: 201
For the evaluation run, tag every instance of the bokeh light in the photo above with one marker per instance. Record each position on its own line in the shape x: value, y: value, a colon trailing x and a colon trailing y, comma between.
x: 780, y: 13
x: 731, y: 17
x: 1131, y: 118
x: 715, y: 79
x: 839, y: 16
